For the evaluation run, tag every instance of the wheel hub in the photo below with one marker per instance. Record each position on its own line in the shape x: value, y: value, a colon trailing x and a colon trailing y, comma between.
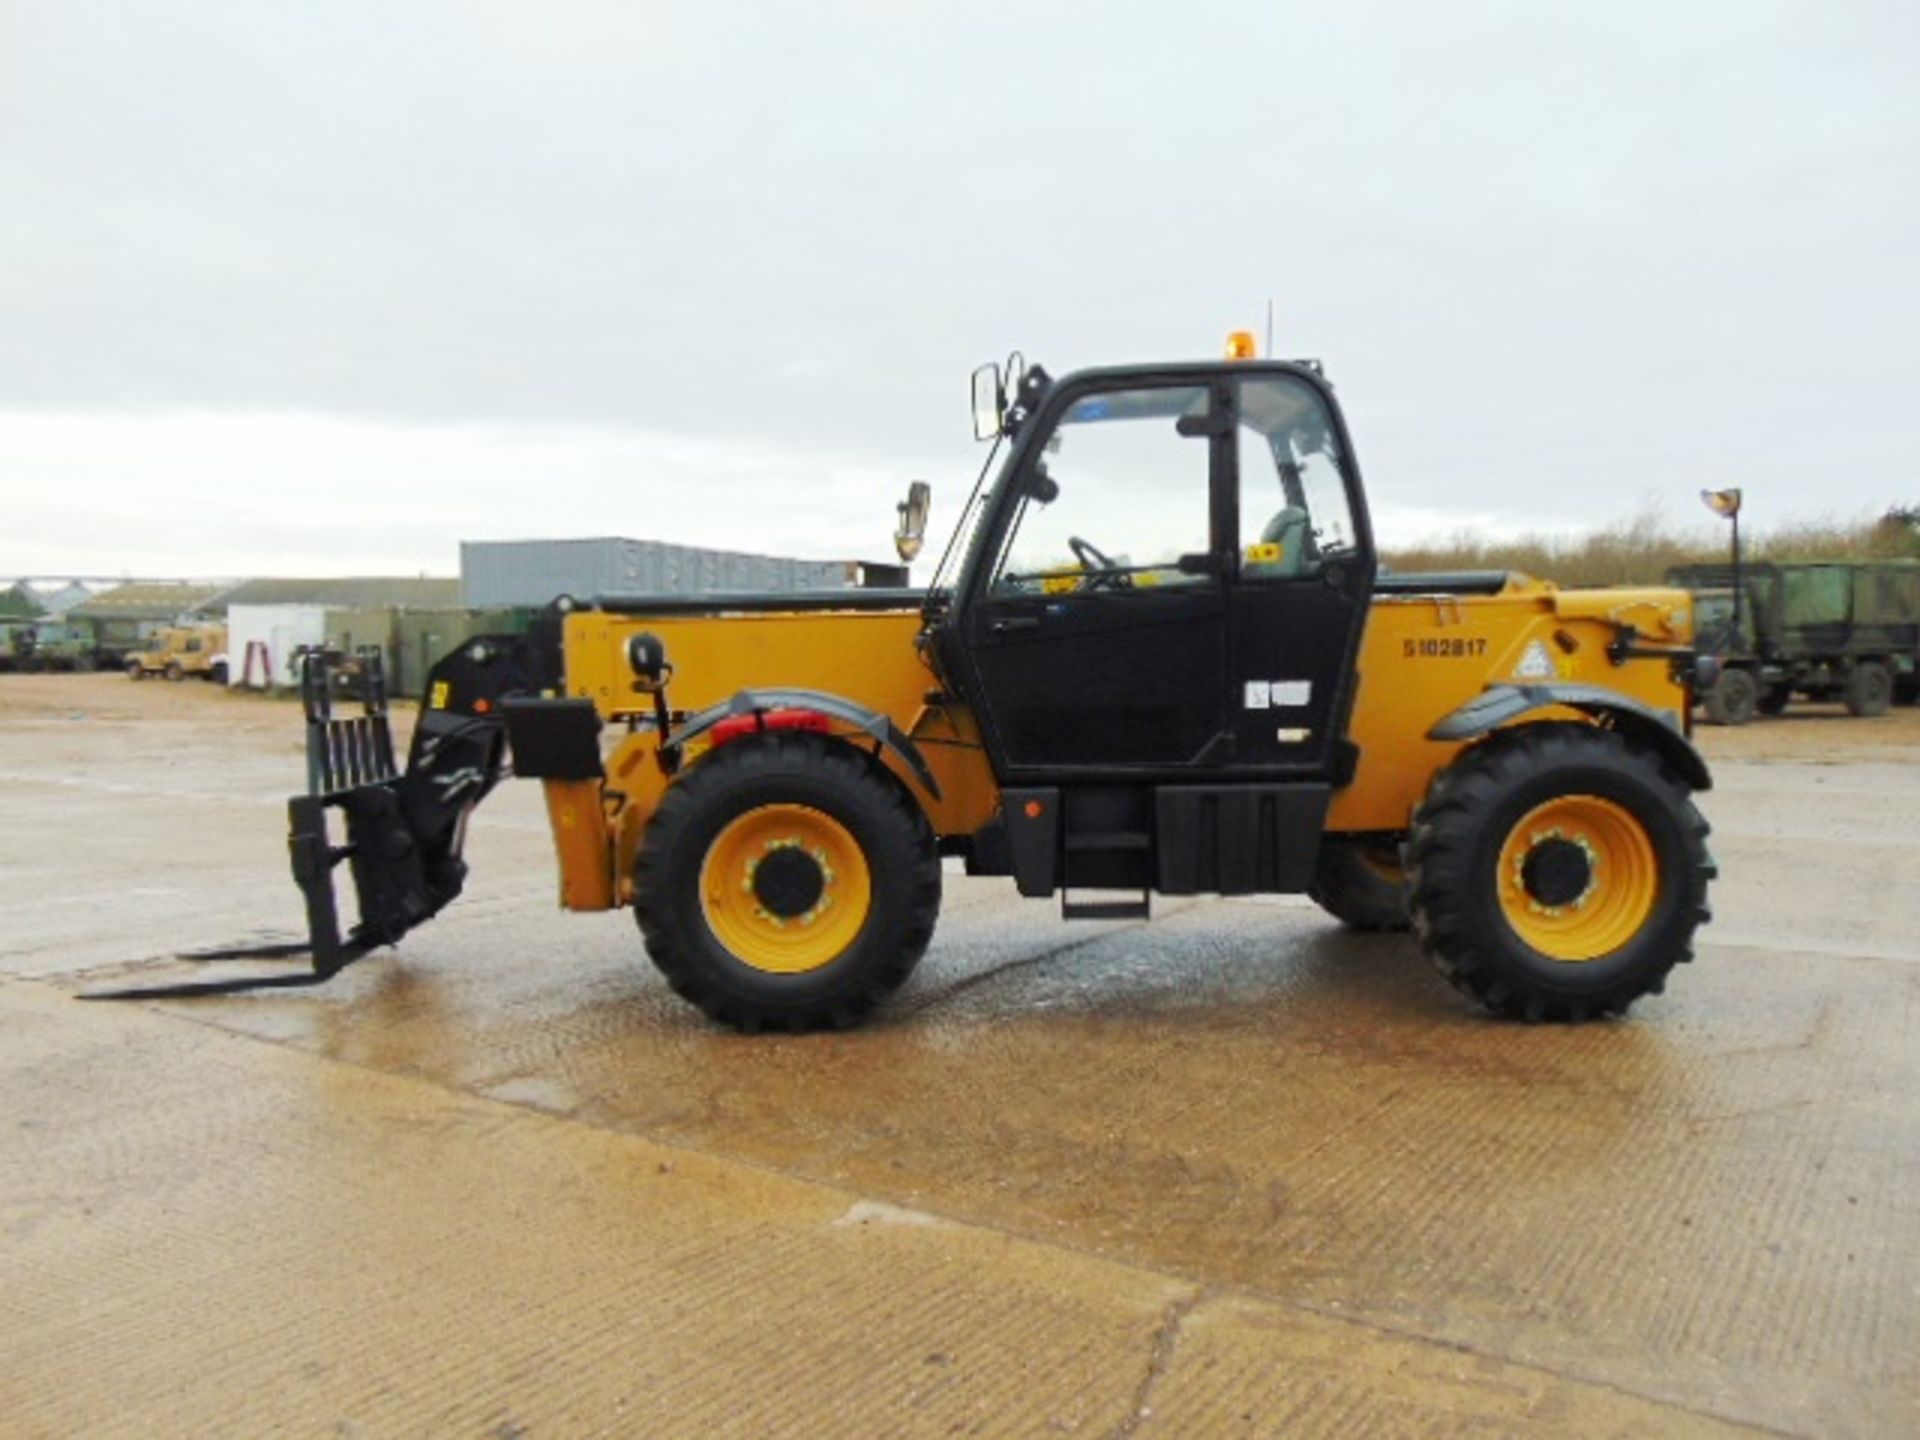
x: 788, y: 880
x: 1558, y: 871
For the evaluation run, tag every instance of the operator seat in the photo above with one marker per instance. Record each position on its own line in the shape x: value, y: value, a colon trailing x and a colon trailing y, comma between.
x: 1289, y: 530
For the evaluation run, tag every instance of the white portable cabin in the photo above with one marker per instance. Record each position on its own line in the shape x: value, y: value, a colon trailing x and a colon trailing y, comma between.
x: 262, y: 639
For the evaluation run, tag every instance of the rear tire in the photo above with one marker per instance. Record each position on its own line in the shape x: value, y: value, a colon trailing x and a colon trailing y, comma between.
x: 1869, y: 688
x: 1559, y: 872
x: 732, y: 938
x: 1734, y: 698
x: 1363, y: 885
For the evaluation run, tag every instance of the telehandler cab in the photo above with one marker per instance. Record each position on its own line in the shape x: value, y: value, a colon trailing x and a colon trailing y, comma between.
x: 1157, y: 657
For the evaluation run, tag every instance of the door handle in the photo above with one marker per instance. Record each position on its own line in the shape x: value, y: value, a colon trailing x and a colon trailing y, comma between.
x: 1013, y: 622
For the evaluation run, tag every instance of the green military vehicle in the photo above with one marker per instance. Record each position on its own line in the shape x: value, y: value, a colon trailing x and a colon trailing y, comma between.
x: 58, y: 645
x: 1818, y: 630
x: 16, y: 644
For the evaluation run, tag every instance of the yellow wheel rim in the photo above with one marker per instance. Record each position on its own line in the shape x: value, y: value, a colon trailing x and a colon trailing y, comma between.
x: 1578, y: 877
x: 785, y: 888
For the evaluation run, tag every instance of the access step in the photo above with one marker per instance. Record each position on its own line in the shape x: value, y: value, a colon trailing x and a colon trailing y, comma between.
x: 1141, y: 909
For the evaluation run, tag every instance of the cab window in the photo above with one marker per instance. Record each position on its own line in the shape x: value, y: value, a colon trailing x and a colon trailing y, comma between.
x: 1294, y: 514
x: 1117, y: 500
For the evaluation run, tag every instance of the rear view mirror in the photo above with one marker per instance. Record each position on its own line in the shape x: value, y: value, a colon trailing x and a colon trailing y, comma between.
x: 912, y: 531
x: 989, y: 402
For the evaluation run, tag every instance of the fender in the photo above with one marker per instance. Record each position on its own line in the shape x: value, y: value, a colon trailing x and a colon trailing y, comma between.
x: 838, y: 707
x: 1498, y: 704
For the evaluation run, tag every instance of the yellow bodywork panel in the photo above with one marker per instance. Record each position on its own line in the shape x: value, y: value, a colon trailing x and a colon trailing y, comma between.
x: 1423, y: 656
x: 865, y: 656
x: 581, y: 841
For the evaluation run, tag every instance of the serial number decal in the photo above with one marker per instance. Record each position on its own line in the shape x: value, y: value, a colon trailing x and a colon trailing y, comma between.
x: 1443, y: 648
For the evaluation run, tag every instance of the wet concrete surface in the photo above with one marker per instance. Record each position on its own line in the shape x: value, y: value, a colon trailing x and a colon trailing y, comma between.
x: 1231, y: 1172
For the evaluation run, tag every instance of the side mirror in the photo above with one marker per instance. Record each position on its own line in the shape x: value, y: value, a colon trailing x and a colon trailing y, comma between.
x: 647, y: 658
x: 989, y: 402
x: 912, y: 530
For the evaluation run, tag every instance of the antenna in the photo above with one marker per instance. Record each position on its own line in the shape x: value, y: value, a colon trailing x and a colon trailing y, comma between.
x: 1269, y: 327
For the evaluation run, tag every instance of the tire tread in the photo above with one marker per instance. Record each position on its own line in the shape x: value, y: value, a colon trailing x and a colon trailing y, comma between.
x: 669, y: 939
x: 1440, y: 849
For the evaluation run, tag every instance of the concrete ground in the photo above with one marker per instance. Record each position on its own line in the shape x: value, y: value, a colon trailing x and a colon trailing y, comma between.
x: 1234, y: 1172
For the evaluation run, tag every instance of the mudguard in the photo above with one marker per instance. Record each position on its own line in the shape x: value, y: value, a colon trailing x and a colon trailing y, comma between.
x: 1498, y: 704
x: 837, y: 707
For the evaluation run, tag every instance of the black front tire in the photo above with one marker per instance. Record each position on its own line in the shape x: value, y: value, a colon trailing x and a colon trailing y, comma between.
x: 1869, y: 688
x: 788, y: 769
x: 1734, y: 698
x: 1363, y: 885
x: 1481, y: 800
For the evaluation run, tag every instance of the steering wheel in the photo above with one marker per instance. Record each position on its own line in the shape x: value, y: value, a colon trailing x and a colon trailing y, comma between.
x: 1102, y: 568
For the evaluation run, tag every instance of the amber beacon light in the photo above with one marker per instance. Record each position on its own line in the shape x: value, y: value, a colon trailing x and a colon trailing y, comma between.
x: 1240, y: 346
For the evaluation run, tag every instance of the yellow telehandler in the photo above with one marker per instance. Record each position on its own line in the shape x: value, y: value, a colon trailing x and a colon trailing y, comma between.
x: 1158, y: 657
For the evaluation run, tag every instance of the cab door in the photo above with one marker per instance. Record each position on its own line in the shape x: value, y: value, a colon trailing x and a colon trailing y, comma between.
x: 1303, y: 579
x: 1097, y: 630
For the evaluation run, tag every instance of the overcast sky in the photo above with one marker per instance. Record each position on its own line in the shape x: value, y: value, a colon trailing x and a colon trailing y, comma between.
x: 327, y: 288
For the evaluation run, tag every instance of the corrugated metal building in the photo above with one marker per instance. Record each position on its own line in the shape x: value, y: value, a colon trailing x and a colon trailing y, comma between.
x: 534, y: 572
x: 362, y: 591
x: 123, y: 617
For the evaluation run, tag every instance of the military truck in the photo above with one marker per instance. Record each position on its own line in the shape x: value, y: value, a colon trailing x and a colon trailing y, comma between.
x: 1819, y: 630
x: 58, y: 645
x: 16, y: 644
x: 182, y: 650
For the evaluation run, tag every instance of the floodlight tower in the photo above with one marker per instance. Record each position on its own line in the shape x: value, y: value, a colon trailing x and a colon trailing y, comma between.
x: 1726, y: 504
